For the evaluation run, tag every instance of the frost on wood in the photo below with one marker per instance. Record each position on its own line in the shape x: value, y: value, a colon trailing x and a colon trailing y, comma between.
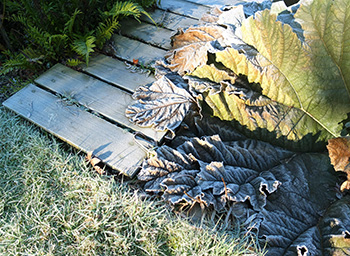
x: 286, y: 196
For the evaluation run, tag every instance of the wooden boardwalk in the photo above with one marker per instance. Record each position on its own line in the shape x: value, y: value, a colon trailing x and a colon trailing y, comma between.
x: 87, y: 108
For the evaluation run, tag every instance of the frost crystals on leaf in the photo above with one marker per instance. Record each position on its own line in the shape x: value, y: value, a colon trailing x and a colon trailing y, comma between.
x: 287, y: 197
x: 162, y: 105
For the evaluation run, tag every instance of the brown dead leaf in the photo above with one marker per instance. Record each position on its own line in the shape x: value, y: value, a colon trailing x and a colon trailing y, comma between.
x: 196, y: 34
x: 190, y: 47
x: 212, y: 16
x: 339, y: 153
x: 94, y: 161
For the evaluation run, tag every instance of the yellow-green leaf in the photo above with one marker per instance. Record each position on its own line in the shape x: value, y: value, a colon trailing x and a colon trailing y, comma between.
x: 311, y: 75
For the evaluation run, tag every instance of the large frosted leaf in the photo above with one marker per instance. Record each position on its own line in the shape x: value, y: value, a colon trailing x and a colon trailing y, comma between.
x: 296, y: 88
x: 312, y: 76
x: 298, y: 58
x: 335, y: 228
x: 288, y: 197
x: 267, y: 119
x: 162, y: 105
x: 214, y: 74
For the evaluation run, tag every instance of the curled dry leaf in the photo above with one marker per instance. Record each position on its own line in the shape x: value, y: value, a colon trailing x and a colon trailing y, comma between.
x: 190, y: 47
x: 163, y: 105
x: 228, y: 15
x: 339, y: 153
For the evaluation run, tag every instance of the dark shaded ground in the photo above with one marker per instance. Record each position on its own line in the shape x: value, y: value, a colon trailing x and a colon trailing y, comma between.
x: 13, y: 82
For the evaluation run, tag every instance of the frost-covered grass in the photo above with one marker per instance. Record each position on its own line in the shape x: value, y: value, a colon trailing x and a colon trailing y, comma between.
x: 52, y: 203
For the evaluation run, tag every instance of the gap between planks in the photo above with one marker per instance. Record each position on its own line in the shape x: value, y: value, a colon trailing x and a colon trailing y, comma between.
x: 113, y: 145
x: 96, y: 95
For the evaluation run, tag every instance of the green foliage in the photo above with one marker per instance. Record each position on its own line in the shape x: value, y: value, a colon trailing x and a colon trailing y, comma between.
x: 74, y: 62
x: 83, y: 46
x: 61, y: 30
x: 105, y: 31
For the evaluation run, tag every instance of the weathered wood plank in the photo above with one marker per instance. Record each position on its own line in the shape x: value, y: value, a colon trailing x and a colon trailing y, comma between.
x: 147, y: 33
x: 93, y: 94
x: 185, y: 8
x: 216, y: 2
x: 83, y: 130
x: 220, y: 2
x: 129, y: 49
x: 116, y: 72
x: 170, y: 20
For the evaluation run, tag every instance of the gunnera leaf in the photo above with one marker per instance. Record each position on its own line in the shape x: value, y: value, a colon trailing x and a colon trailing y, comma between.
x: 335, y: 228
x: 256, y: 112
x: 190, y: 46
x: 339, y: 153
x: 308, y: 77
x: 300, y: 61
x: 163, y: 105
x: 288, y: 197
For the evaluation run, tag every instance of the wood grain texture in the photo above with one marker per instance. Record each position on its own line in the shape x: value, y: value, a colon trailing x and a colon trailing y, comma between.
x: 113, y: 145
x: 129, y: 49
x: 66, y: 116
x: 185, y: 8
x: 116, y: 72
x: 107, y: 100
x: 151, y: 34
x: 211, y: 3
x: 169, y: 20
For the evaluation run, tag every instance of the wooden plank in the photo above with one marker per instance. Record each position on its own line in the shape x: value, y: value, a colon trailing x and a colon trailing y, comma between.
x: 93, y: 94
x: 116, y: 72
x: 129, y: 49
x: 170, y: 20
x: 148, y: 33
x: 216, y: 2
x: 185, y: 8
x: 221, y: 2
x: 115, y: 146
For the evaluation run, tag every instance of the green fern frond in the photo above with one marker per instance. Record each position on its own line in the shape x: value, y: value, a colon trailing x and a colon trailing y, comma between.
x: 105, y: 31
x: 124, y: 9
x: 68, y: 27
x: 21, y: 19
x: 33, y: 56
x: 148, y: 16
x: 58, y: 39
x: 74, y: 62
x: 38, y: 36
x: 17, y: 61
x: 84, y: 46
x: 59, y: 29
x: 58, y: 42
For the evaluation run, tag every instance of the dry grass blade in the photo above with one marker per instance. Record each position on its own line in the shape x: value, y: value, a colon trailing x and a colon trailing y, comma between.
x: 52, y: 204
